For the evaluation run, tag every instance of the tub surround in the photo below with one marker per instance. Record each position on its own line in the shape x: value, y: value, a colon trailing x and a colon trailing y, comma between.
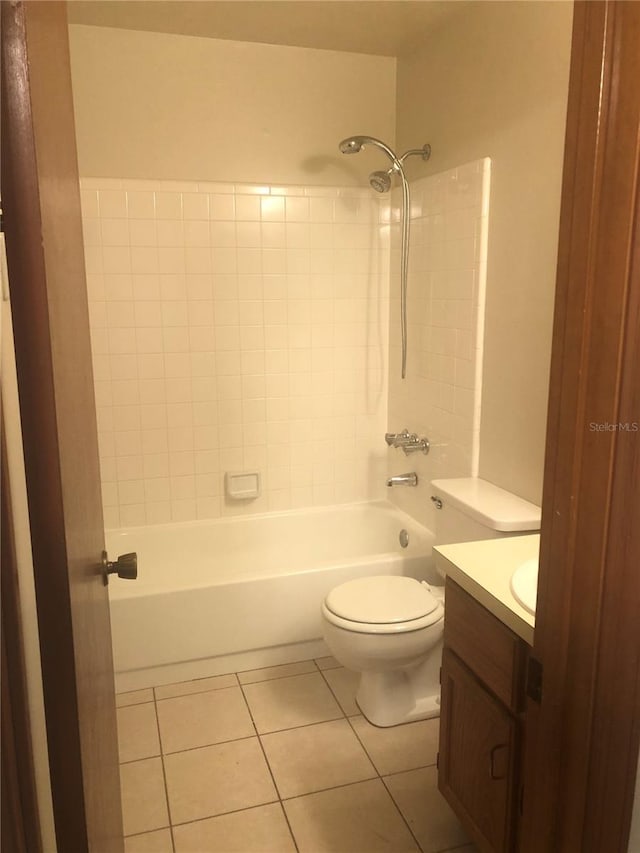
x: 441, y: 395
x: 236, y: 327
x: 484, y: 569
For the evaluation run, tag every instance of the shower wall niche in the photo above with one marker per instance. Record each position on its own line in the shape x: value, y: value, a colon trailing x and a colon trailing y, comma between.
x: 236, y: 327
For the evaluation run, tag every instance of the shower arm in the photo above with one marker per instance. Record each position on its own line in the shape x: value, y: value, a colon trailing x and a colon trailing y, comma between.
x: 424, y: 152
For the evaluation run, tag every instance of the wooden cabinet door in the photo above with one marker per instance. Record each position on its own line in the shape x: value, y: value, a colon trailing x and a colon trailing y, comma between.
x: 477, y: 757
x: 41, y: 209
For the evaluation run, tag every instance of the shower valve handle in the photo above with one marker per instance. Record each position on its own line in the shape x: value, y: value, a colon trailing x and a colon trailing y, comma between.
x: 409, y: 442
x: 126, y: 567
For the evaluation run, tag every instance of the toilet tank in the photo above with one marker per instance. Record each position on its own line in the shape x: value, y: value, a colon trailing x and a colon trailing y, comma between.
x: 474, y: 509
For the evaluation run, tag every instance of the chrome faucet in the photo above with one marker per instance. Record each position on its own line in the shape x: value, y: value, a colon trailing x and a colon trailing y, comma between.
x: 408, y: 441
x: 403, y: 480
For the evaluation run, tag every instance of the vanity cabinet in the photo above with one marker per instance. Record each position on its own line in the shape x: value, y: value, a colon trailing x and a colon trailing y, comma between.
x: 481, y: 721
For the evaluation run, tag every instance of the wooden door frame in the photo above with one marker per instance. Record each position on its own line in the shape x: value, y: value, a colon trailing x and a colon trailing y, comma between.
x: 20, y: 824
x: 45, y: 258
x: 582, y: 740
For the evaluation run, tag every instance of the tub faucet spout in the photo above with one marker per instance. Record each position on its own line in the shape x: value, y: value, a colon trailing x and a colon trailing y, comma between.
x: 403, y: 480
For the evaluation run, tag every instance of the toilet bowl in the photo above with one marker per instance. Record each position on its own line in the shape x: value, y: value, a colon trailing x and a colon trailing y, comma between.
x: 389, y: 629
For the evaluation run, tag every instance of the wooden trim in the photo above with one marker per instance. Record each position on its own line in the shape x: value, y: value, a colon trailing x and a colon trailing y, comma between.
x: 41, y: 199
x: 582, y: 741
x: 21, y: 203
x: 20, y: 825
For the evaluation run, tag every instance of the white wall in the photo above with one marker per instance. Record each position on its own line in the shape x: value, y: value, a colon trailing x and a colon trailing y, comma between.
x: 171, y: 107
x: 492, y: 81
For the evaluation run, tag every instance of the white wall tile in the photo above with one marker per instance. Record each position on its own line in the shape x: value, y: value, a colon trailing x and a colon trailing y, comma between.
x: 440, y: 398
x: 225, y: 324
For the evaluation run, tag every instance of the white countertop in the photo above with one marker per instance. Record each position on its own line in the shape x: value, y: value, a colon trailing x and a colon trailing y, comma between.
x: 484, y: 569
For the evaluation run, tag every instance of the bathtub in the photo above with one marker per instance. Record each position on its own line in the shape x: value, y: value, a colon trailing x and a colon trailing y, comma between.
x: 237, y: 593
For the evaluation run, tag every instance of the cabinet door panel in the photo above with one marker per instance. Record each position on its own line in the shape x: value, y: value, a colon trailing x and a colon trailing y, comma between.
x: 477, y: 757
x: 492, y: 651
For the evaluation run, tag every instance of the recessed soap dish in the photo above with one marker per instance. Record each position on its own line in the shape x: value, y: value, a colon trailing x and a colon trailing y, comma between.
x: 242, y: 485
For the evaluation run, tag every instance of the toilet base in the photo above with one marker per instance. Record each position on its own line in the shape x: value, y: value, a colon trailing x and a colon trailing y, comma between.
x: 389, y: 699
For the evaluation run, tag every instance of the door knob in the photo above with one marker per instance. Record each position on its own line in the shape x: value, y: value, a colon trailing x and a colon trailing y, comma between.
x: 126, y: 567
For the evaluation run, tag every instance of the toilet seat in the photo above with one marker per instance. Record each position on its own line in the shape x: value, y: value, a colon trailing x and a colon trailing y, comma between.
x: 383, y: 604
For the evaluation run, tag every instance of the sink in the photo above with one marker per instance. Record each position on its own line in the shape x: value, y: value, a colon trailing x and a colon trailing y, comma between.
x: 524, y: 584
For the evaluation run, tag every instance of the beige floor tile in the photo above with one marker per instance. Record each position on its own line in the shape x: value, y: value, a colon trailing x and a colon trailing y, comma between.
x: 355, y: 819
x: 200, y: 685
x: 216, y: 779
x: 144, y: 802
x: 137, y: 732
x: 288, y: 702
x: 201, y: 719
x: 149, y: 842
x: 399, y: 748
x: 134, y: 697
x: 344, y: 684
x: 425, y: 809
x: 328, y: 663
x: 316, y: 757
x: 260, y: 830
x: 269, y: 672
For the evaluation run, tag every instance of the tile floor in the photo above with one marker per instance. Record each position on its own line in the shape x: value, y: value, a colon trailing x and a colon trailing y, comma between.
x: 277, y: 760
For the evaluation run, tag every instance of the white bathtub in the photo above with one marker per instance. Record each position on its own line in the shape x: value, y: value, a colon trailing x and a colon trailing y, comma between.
x: 231, y: 594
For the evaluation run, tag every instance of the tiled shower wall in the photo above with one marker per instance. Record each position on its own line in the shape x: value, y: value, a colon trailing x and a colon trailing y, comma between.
x: 441, y: 396
x: 236, y: 328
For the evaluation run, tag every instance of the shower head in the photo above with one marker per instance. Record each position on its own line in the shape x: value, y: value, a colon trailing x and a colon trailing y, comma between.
x: 381, y: 181
x: 355, y: 144
x: 352, y: 145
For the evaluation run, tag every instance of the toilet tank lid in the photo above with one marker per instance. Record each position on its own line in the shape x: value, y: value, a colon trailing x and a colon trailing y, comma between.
x: 488, y: 504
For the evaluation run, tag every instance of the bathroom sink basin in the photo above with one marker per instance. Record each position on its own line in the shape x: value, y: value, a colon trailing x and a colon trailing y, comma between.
x: 524, y: 584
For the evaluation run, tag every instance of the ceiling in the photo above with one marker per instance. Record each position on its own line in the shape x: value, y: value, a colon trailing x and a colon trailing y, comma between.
x: 360, y: 26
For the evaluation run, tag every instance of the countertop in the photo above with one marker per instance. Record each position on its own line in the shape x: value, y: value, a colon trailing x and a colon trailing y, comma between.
x: 484, y: 569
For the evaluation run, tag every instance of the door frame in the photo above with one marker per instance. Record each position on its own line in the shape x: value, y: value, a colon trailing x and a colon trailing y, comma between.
x: 45, y: 259
x: 582, y: 739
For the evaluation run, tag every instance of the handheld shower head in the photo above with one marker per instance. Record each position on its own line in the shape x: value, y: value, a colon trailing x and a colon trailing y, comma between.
x: 381, y: 181
x: 352, y: 145
x: 355, y: 144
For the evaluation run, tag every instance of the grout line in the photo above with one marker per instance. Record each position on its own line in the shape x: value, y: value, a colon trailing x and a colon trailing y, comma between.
x: 195, y: 692
x: 164, y: 772
x: 335, y: 696
x: 273, y: 778
x: 207, y: 745
x: 302, y: 726
x: 224, y: 814
x: 399, y: 810
x: 373, y: 778
x: 286, y: 817
x: 364, y: 748
x: 277, y: 678
x: 331, y: 788
x: 410, y: 770
x: 379, y: 775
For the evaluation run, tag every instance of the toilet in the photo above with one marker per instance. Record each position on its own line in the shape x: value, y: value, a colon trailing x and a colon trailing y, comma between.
x: 389, y: 627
